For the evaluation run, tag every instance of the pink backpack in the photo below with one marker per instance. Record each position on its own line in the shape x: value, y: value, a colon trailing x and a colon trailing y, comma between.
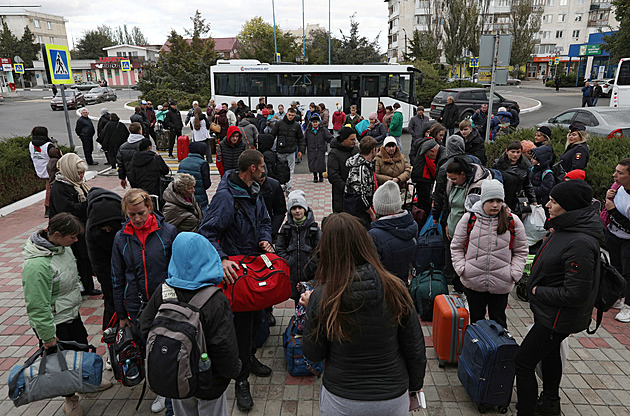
x: 604, y: 214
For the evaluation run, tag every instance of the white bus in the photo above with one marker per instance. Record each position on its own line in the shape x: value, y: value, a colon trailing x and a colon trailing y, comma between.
x: 620, y: 95
x: 362, y: 85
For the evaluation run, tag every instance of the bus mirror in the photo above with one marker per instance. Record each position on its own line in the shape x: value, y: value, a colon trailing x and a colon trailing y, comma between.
x: 419, y: 78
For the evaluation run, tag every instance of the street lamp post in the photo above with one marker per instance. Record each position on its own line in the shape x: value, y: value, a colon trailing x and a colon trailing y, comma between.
x: 405, y: 42
x: 275, y: 40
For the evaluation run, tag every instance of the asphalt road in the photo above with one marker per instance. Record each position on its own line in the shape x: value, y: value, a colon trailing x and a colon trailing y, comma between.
x: 19, y: 115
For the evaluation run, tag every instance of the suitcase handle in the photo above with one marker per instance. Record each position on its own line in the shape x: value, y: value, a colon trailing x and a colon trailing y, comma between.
x: 500, y: 330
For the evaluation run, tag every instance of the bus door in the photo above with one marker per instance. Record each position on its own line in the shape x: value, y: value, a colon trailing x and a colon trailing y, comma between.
x: 351, y: 92
x: 256, y: 90
x: 369, y: 93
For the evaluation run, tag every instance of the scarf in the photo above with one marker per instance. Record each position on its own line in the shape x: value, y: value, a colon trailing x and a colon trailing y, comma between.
x: 429, y: 168
x: 69, y: 166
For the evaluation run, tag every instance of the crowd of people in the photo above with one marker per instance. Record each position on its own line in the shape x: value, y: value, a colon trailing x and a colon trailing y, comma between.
x: 360, y: 316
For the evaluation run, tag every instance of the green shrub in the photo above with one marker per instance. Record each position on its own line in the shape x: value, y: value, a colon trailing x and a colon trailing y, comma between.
x: 603, y: 154
x: 566, y: 81
x: 184, y: 99
x: 432, y: 83
x: 17, y: 175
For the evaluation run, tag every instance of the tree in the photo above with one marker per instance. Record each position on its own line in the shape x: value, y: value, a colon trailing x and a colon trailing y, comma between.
x: 91, y: 44
x: 423, y: 47
x: 317, y: 48
x: 28, y: 48
x: 477, y: 23
x: 355, y: 49
x: 9, y: 43
x: 618, y: 43
x: 524, y: 24
x: 455, y: 32
x: 122, y: 36
x: 257, y: 42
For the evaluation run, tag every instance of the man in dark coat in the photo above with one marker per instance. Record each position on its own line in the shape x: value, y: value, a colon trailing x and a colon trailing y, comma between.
x: 341, y: 150
x: 114, y: 134
x: 480, y: 118
x: 146, y: 169
x: 419, y: 124
x: 173, y: 122
x: 274, y: 201
x: 85, y: 131
x: 237, y: 223
x: 102, y: 122
x: 450, y: 115
x: 317, y: 138
x: 140, y: 116
x: 289, y: 138
x: 515, y: 169
x: 126, y: 152
x: 475, y: 144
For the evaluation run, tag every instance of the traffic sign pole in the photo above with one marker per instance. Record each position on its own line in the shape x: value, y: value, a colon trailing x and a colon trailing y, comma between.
x: 492, y: 81
x: 65, y: 110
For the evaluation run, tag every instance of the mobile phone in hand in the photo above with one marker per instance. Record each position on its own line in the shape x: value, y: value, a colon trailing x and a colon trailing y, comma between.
x: 417, y: 401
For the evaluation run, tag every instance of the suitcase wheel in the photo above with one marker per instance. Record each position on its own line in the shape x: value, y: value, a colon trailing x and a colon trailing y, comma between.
x: 503, y: 410
x: 441, y: 363
x: 482, y: 408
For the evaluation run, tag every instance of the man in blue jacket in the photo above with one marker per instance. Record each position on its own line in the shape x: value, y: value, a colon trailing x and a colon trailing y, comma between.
x: 237, y: 223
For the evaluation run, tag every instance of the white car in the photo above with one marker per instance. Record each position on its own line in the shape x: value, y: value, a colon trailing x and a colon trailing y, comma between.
x: 606, y: 84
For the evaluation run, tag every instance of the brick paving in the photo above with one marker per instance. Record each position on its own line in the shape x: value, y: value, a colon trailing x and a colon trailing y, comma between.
x: 595, y: 380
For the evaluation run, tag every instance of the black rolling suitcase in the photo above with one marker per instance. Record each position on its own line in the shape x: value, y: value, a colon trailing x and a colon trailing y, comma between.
x: 486, y: 365
x: 161, y: 139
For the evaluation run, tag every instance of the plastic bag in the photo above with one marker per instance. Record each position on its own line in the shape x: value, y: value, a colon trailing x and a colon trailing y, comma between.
x: 534, y: 224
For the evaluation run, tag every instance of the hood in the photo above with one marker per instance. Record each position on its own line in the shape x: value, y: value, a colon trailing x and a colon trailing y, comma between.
x: 244, y: 122
x: 265, y: 142
x: 505, y: 114
x: 103, y: 206
x: 38, y: 246
x: 134, y: 138
x: 230, y: 132
x: 143, y: 158
x: 336, y: 145
x: 366, y: 289
x: 400, y: 225
x: 503, y: 163
x: 194, y: 263
x: 40, y: 140
x: 544, y: 155
x: 356, y: 161
x: 585, y: 220
x: 474, y: 205
x: 236, y: 189
x: 173, y: 197
x: 455, y: 145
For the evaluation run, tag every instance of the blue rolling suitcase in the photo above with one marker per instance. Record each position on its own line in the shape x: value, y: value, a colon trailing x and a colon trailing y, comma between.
x: 486, y: 365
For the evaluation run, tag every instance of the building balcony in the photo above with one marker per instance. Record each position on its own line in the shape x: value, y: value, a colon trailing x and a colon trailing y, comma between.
x: 597, y: 23
x: 421, y: 28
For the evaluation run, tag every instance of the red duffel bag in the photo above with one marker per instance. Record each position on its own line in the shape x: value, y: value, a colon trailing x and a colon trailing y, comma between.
x: 263, y: 281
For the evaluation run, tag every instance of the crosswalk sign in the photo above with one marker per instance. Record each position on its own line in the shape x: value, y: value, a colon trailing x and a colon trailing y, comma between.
x: 556, y: 61
x: 125, y: 65
x: 474, y: 62
x: 18, y: 68
x: 58, y: 58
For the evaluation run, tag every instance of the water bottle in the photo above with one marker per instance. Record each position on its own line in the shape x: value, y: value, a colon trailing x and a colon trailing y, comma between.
x: 131, y: 371
x: 204, y: 363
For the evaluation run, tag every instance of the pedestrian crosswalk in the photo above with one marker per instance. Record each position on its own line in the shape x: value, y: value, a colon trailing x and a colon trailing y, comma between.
x: 173, y: 163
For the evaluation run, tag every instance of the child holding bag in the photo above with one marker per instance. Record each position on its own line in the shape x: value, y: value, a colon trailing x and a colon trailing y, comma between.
x: 489, y: 251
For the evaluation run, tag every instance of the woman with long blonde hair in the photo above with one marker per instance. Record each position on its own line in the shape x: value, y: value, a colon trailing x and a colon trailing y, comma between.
x: 361, y: 320
x: 577, y: 152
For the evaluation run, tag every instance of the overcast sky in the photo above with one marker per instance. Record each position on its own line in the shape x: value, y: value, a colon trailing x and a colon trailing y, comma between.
x: 156, y: 18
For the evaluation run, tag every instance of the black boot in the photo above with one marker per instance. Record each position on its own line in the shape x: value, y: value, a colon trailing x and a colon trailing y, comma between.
x: 315, y: 177
x: 243, y: 396
x: 47, y: 212
x: 259, y: 368
x: 546, y: 407
x: 321, y: 176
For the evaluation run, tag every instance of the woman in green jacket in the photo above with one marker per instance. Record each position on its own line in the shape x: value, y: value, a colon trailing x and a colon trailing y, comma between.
x: 52, y: 288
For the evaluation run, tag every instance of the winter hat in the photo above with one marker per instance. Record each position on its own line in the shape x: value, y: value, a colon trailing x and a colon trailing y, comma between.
x: 389, y: 140
x: 502, y: 109
x: 527, y: 145
x: 545, y: 130
x: 386, y: 199
x: 297, y: 198
x: 427, y: 145
x: 338, y: 107
x: 265, y: 112
x: 492, y: 189
x: 104, y: 111
x: 576, y: 174
x: 198, y: 148
x: 315, y: 117
x: 572, y: 195
x: 577, y: 127
x: 345, y: 132
x: 373, y: 116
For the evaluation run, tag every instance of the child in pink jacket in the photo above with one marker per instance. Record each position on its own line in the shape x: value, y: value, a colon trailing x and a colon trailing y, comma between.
x: 489, y: 251
x: 338, y: 118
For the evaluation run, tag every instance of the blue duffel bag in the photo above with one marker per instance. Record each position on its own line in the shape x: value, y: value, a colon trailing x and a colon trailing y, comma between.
x: 52, y: 374
x: 429, y: 247
x: 296, y: 362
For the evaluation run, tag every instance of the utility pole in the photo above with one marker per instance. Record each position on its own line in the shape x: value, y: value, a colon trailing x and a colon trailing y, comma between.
x: 492, y: 81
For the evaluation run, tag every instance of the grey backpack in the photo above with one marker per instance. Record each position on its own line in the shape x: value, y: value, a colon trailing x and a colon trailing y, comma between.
x: 175, y: 345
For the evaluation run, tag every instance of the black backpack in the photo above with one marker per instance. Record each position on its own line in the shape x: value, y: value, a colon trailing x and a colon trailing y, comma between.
x: 612, y: 286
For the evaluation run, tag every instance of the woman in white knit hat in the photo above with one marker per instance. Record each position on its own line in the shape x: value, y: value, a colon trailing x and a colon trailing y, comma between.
x: 489, y: 250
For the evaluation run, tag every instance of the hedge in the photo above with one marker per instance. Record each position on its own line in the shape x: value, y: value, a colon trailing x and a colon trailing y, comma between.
x: 566, y: 81
x: 184, y: 99
x: 17, y: 174
x: 603, y: 154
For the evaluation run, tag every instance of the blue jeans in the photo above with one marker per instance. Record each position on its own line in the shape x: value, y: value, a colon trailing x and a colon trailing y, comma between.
x: 594, y: 101
x: 168, y: 403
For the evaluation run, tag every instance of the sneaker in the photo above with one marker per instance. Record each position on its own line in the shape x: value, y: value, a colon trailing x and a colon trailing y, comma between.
x: 243, y: 397
x: 547, y: 408
x: 619, y: 304
x: 108, y: 364
x: 71, y: 407
x: 105, y: 384
x: 158, y: 404
x: 259, y: 368
x: 624, y: 314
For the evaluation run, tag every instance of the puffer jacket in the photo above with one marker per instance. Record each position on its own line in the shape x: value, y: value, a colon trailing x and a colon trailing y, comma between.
x: 378, y: 132
x: 103, y: 209
x: 488, y: 264
x: 515, y: 180
x: 136, y: 266
x: 296, y: 244
x: 396, y: 124
x: 338, y: 118
x: 476, y: 146
x: 183, y: 214
x: 146, y: 169
x: 540, y: 175
x: 51, y: 285
x: 389, y: 167
x: 381, y: 360
x: 338, y: 171
x: 360, y: 182
x: 394, y: 237
x: 125, y: 154
x: 566, y: 272
x: 291, y: 133
x: 228, y: 153
x: 196, y: 165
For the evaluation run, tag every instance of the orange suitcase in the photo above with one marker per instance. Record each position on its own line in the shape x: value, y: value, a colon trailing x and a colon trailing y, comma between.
x: 182, y: 147
x: 450, y: 319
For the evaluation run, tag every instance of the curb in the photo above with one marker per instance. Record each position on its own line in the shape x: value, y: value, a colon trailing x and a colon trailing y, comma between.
x: 532, y: 109
x: 33, y: 199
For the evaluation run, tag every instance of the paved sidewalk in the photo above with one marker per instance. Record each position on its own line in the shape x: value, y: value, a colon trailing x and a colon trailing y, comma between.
x: 595, y: 380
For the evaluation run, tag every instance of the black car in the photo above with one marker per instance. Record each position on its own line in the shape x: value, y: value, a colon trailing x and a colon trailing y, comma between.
x: 469, y: 100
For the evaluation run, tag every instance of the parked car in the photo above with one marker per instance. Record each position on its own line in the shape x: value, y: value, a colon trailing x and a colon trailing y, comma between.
x: 85, y: 86
x: 607, y: 85
x: 1, y: 98
x: 612, y: 123
x: 100, y: 94
x: 469, y: 100
x: 74, y: 99
x: 513, y: 81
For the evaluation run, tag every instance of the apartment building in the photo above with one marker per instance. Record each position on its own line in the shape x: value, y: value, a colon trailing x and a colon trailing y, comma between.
x: 47, y: 28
